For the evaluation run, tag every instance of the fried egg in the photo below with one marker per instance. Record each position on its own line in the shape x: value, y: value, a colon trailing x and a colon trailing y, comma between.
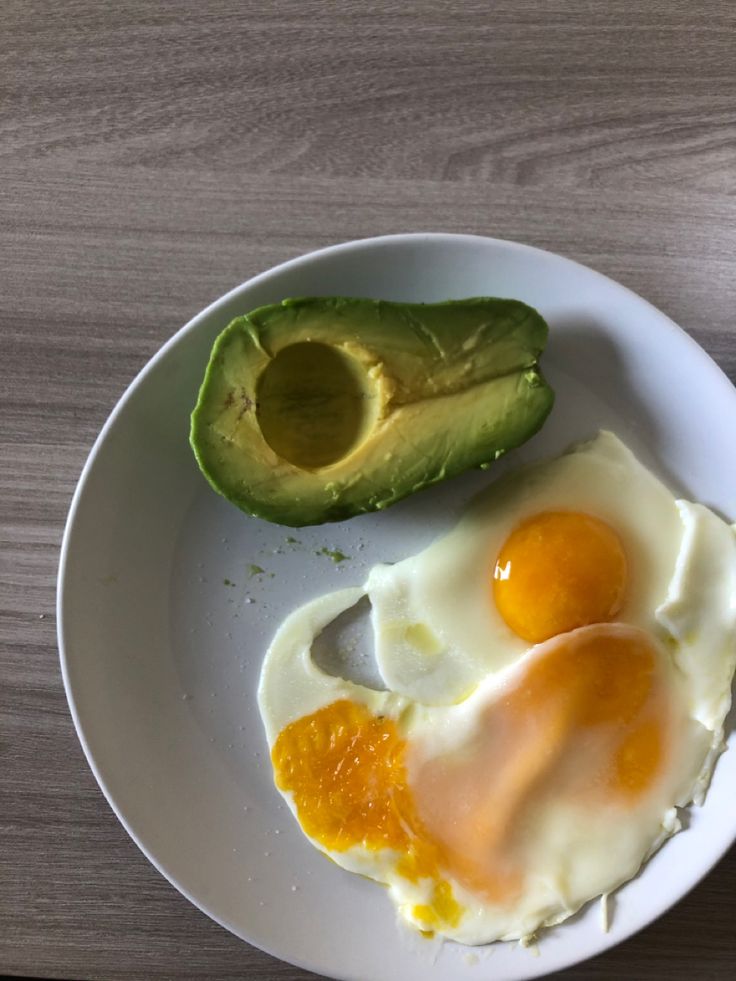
x: 436, y: 633
x: 558, y: 670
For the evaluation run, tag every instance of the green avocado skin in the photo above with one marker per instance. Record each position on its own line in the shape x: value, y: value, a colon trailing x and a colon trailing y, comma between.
x: 465, y: 388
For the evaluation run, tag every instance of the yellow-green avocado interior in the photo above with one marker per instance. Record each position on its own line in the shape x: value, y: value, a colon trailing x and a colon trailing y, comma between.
x: 321, y: 408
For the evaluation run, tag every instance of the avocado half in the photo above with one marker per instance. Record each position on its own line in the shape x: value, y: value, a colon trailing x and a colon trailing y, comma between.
x: 318, y: 409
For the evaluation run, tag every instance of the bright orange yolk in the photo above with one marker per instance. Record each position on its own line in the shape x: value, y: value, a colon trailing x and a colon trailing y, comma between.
x: 556, y: 571
x: 346, y: 770
x: 588, y: 723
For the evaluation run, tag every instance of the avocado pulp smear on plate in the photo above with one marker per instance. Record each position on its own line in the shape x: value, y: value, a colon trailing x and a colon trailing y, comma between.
x: 322, y: 408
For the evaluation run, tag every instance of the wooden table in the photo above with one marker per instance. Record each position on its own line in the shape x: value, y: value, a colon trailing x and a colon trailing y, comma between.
x: 156, y: 154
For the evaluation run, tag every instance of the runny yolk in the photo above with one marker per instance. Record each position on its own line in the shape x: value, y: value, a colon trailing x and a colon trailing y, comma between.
x: 559, y: 570
x: 346, y: 770
x: 585, y: 723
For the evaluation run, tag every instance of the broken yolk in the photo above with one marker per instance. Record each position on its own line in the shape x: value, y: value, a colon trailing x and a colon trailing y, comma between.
x: 586, y: 722
x: 346, y: 770
x: 559, y: 570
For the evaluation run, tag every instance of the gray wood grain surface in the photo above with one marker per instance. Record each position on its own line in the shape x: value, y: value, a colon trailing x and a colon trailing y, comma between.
x: 153, y: 155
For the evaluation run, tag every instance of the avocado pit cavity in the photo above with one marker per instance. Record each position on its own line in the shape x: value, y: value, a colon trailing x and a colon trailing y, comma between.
x: 315, y: 404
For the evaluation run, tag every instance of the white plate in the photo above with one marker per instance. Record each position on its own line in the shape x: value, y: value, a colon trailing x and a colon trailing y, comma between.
x: 161, y: 655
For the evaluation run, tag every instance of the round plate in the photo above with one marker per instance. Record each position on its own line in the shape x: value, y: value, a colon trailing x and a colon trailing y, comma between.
x: 164, y: 617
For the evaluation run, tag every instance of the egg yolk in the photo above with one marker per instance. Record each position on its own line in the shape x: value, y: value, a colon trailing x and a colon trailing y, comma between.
x: 346, y: 770
x: 559, y: 570
x: 587, y: 722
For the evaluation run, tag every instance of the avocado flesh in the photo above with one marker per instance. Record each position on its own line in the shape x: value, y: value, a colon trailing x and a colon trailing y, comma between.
x: 318, y: 409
